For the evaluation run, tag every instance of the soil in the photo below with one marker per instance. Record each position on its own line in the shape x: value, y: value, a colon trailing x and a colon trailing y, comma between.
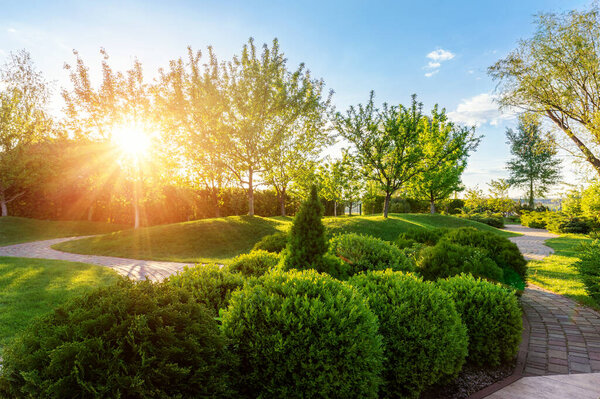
x: 470, y: 380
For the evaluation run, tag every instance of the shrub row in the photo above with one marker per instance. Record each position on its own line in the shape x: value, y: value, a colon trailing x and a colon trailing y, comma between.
x: 589, y: 268
x: 491, y: 219
x: 559, y: 222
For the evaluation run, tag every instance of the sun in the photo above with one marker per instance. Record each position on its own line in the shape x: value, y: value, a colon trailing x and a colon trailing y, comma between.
x: 131, y: 140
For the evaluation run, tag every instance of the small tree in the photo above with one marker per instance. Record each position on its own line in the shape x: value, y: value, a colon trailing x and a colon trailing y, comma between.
x: 535, y: 164
x: 307, y: 243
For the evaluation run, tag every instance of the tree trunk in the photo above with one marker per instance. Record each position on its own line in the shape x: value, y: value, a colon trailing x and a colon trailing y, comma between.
x: 250, y: 193
x: 282, y: 202
x: 350, y: 209
x: 531, y: 199
x: 90, y: 216
x: 4, y: 208
x: 334, y: 208
x: 386, y: 204
x: 136, y: 210
x: 432, y: 206
x: 215, y: 198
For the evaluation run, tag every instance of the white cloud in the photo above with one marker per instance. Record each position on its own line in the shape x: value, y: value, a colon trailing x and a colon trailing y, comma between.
x: 479, y: 110
x: 437, y: 57
x: 470, y: 72
x: 440, y: 55
x: 11, y: 30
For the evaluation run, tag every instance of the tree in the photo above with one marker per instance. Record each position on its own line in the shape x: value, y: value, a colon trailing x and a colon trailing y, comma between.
x: 390, y: 143
x: 555, y: 74
x: 120, y: 107
x: 534, y: 164
x: 23, y: 121
x: 438, y: 183
x: 499, y: 200
x: 335, y: 180
x: 189, y: 101
x: 262, y: 101
x: 307, y: 243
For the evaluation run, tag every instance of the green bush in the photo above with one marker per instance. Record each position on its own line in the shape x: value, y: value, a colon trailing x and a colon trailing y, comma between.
x: 304, y: 335
x: 307, y: 243
x: 130, y: 340
x: 424, y: 338
x: 362, y: 253
x: 446, y: 259
x: 209, y: 284
x: 492, y: 316
x: 505, y: 253
x: 272, y: 243
x: 423, y: 236
x: 589, y: 268
x: 491, y: 219
x: 575, y: 226
x: 254, y: 264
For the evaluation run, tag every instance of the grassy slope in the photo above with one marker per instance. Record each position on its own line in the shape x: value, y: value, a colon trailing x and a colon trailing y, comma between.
x: 14, y: 230
x: 218, y: 240
x: 556, y: 272
x: 32, y: 287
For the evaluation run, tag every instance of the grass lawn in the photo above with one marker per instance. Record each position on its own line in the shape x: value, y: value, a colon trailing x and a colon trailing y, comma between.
x: 15, y: 230
x: 220, y: 239
x: 33, y: 287
x: 556, y: 272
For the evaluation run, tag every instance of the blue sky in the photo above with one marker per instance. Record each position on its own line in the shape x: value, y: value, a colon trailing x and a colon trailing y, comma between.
x: 439, y: 50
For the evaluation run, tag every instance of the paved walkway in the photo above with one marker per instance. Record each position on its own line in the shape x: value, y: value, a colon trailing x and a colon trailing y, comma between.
x: 132, y: 268
x: 563, y: 353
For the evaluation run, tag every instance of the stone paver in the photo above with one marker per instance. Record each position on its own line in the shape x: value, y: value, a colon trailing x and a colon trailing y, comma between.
x: 564, y: 341
x: 132, y: 268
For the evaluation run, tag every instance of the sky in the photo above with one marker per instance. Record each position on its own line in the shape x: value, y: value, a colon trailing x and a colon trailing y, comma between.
x: 439, y: 50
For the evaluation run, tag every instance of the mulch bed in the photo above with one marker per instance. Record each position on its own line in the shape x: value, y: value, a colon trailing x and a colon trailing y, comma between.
x: 470, y: 380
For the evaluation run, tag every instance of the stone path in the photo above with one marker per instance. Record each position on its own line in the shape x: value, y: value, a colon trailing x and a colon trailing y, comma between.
x: 563, y: 353
x: 132, y: 268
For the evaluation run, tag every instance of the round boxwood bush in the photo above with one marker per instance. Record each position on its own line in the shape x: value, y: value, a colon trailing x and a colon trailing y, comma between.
x: 362, y: 253
x: 505, y: 253
x: 446, y: 259
x: 130, y: 340
x: 209, y: 284
x: 272, y: 243
x: 423, y: 235
x: 303, y: 335
x: 254, y: 264
x: 492, y: 316
x: 424, y: 338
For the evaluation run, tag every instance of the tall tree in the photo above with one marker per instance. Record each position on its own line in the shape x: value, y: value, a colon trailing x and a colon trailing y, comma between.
x: 23, y: 120
x: 334, y: 180
x: 439, y: 134
x: 263, y: 101
x: 117, y: 111
x: 555, y: 74
x: 534, y: 164
x: 390, y: 143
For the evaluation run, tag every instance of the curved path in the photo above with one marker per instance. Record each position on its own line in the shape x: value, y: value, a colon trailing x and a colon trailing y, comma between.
x: 132, y: 268
x: 564, y: 337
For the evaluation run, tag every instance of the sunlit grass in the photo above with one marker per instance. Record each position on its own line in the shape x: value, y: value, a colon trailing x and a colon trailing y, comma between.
x: 15, y: 230
x: 221, y: 239
x: 556, y: 272
x: 32, y: 287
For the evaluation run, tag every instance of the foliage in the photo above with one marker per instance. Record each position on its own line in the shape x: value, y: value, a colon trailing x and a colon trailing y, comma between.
x: 446, y: 260
x: 494, y: 220
x: 505, y: 253
x: 492, y: 316
x: 423, y: 336
x: 126, y: 340
x: 254, y: 264
x: 307, y: 243
x: 363, y: 253
x: 338, y: 181
x: 209, y: 285
x: 30, y: 288
x: 275, y: 242
x: 304, y: 334
x: 535, y: 164
x: 590, y: 201
x: 538, y: 76
x: 24, y: 120
x: 588, y: 267
x: 390, y: 144
x: 559, y: 222
x: 423, y: 236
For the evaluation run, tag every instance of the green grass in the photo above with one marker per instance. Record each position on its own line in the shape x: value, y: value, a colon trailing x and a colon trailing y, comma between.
x: 33, y: 287
x: 219, y: 240
x: 15, y: 230
x: 556, y: 272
